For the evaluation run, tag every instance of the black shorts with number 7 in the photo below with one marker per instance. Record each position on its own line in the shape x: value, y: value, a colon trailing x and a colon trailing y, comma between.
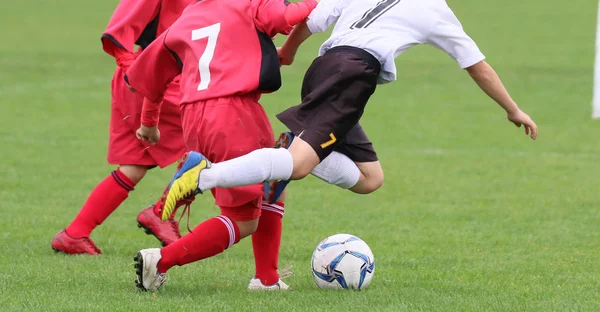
x: 335, y: 91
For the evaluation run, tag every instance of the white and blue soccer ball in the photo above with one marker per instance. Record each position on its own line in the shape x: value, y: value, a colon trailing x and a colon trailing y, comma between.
x: 343, y: 261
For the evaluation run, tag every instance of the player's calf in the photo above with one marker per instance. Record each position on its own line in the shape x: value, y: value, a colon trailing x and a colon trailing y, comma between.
x: 134, y: 172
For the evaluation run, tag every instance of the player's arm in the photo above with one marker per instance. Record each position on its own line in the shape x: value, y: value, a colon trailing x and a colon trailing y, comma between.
x: 322, y: 17
x: 288, y: 50
x: 280, y: 16
x: 449, y: 36
x: 126, y: 26
x: 487, y: 79
x: 150, y: 75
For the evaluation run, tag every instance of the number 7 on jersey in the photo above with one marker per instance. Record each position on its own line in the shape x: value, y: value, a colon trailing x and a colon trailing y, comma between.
x: 212, y: 33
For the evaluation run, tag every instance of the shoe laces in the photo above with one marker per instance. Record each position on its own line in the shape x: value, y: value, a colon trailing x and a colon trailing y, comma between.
x: 187, y: 201
x: 285, y: 272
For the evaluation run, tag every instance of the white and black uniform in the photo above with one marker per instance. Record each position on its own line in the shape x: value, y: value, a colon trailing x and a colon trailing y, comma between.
x: 367, y: 37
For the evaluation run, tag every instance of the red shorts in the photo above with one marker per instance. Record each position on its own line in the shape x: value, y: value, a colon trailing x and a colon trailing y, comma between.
x: 227, y: 128
x: 123, y: 147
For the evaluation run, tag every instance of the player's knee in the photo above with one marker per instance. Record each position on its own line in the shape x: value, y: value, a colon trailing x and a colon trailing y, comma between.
x: 375, y: 182
x: 300, y: 171
x: 370, y: 181
x: 134, y: 172
x: 247, y: 228
x: 304, y: 157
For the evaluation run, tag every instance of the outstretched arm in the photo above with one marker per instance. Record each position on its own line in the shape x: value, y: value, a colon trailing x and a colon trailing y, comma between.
x: 449, y: 36
x: 487, y: 79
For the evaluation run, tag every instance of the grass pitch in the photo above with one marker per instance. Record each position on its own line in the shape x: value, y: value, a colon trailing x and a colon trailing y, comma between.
x: 473, y: 215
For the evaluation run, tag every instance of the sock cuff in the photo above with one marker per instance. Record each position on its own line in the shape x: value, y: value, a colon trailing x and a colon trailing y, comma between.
x: 124, y: 181
x: 277, y: 208
x: 232, y: 228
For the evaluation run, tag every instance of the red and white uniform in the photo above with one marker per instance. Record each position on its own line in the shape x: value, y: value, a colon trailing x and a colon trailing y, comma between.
x: 139, y: 22
x: 224, y: 52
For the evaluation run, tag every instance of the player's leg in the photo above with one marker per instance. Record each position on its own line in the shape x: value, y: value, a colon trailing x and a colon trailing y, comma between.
x: 208, y: 239
x: 221, y: 128
x: 266, y: 242
x: 354, y: 165
x: 329, y: 105
x: 102, y: 201
x: 371, y: 178
x: 124, y: 149
x: 105, y: 198
x: 333, y: 105
x: 170, y: 148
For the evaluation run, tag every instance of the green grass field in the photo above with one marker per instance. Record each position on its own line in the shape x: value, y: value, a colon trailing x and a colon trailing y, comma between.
x: 474, y: 216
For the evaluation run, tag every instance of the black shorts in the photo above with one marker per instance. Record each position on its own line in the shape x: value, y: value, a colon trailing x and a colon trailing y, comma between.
x: 335, y: 91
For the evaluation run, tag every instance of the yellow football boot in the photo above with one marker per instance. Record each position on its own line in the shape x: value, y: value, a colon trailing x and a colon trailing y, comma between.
x: 185, y: 182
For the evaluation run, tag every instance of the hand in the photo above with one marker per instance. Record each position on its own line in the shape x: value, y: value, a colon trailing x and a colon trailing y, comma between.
x: 520, y: 118
x: 285, y: 58
x: 148, y: 134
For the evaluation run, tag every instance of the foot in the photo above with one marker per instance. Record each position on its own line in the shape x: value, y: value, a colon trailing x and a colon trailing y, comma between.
x: 74, y: 246
x: 274, y: 189
x: 146, y: 262
x: 257, y: 285
x: 185, y: 182
x: 166, y: 232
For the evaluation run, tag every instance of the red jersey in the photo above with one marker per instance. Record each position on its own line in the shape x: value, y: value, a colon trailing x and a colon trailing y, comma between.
x: 139, y: 22
x: 220, y: 47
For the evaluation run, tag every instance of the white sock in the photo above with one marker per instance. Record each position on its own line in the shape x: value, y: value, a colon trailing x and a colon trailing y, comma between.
x: 267, y: 164
x: 338, y: 169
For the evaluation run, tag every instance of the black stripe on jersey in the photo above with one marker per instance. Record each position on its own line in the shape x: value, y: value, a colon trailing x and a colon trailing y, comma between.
x: 371, y: 15
x: 175, y: 56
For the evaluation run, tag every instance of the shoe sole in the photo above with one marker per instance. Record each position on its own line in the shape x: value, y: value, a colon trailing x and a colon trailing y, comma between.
x: 148, y: 231
x: 139, y: 268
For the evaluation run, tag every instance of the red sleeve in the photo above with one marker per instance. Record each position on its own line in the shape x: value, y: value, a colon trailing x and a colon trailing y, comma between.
x: 127, y: 24
x: 150, y: 113
x: 153, y: 70
x: 279, y: 17
x: 123, y: 57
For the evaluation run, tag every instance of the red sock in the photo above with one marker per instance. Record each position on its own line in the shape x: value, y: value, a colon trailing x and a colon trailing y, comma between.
x: 209, y: 238
x: 266, y: 241
x: 103, y: 200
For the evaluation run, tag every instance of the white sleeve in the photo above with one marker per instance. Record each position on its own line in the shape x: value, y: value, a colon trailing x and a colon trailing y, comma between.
x: 449, y: 36
x: 324, y: 15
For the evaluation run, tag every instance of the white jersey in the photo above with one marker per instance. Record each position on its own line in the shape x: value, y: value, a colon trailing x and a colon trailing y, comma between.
x: 387, y: 28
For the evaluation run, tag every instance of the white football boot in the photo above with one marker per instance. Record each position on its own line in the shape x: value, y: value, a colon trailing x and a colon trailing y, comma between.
x: 148, y: 278
x: 257, y: 285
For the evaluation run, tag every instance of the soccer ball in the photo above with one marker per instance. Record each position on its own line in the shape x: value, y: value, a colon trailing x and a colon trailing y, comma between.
x: 343, y: 261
